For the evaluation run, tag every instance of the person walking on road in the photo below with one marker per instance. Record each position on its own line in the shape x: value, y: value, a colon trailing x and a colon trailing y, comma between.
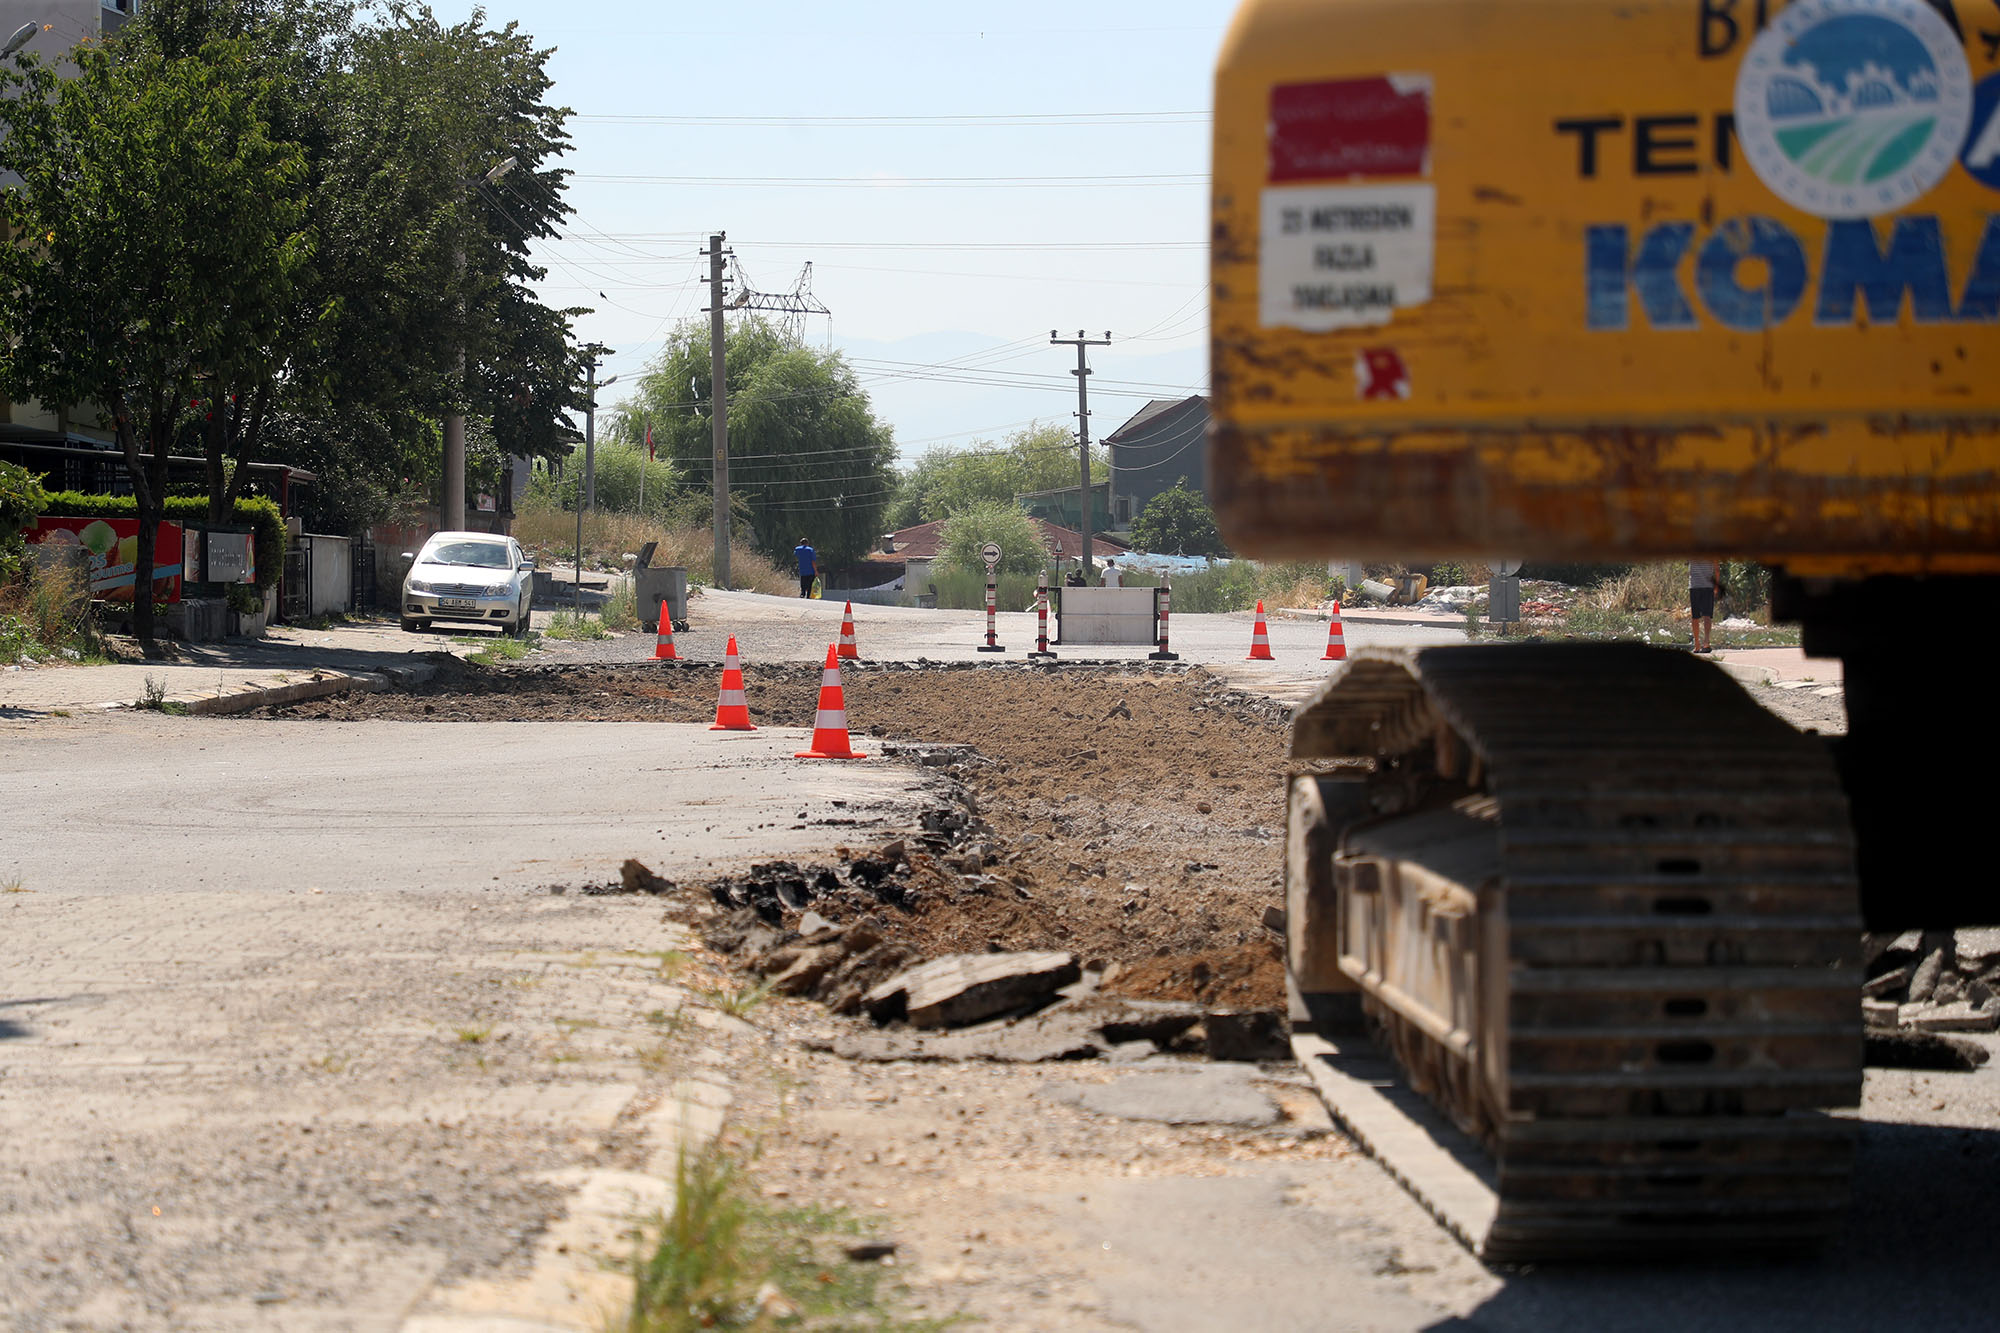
x: 1704, y: 582
x: 808, y: 566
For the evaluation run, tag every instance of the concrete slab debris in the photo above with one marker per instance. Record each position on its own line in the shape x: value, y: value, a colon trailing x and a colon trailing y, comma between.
x: 1960, y: 1017
x: 1210, y: 1097
x: 962, y: 988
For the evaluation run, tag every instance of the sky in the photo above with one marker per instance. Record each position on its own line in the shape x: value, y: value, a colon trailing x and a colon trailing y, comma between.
x: 963, y: 177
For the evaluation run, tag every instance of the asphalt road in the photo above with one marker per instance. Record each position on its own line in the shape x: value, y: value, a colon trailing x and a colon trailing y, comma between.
x: 140, y: 802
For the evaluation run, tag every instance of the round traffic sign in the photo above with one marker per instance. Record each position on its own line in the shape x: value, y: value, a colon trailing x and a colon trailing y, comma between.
x: 991, y: 554
x: 1507, y: 568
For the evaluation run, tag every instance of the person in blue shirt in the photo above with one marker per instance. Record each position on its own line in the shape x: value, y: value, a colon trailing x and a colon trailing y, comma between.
x: 808, y: 566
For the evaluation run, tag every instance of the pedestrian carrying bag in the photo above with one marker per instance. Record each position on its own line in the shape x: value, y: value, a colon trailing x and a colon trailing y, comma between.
x: 818, y: 587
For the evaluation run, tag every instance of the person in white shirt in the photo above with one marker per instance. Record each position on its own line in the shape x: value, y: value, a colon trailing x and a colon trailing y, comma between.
x: 1112, y: 578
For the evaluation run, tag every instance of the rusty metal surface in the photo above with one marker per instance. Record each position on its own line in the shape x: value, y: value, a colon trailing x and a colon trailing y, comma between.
x: 1628, y: 960
x: 1545, y: 405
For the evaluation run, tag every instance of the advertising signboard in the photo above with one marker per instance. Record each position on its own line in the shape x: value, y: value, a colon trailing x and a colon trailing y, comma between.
x: 113, y: 548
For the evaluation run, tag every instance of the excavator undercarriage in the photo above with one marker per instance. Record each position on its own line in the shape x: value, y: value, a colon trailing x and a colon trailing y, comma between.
x: 1601, y: 908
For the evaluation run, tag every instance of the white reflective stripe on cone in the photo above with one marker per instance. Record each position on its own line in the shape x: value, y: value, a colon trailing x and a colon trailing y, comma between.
x: 830, y: 721
x: 733, y: 697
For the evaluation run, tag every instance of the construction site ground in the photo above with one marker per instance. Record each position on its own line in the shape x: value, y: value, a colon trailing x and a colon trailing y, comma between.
x: 1134, y: 815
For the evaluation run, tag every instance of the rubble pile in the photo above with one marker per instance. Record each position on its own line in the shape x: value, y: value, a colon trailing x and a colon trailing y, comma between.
x: 1932, y: 981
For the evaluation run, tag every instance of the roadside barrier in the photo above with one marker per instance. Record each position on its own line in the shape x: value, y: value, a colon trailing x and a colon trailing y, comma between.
x: 848, y: 648
x: 830, y: 727
x: 1042, y: 620
x: 663, y: 647
x: 992, y: 644
x: 1336, y: 639
x: 1163, y: 601
x: 732, y: 708
x: 1260, y: 640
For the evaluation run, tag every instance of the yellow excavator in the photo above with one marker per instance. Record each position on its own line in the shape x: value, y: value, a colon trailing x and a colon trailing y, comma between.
x: 1643, y: 280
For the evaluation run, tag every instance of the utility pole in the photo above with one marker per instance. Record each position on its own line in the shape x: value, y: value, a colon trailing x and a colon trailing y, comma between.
x: 718, y: 376
x: 1082, y: 373
x: 596, y: 352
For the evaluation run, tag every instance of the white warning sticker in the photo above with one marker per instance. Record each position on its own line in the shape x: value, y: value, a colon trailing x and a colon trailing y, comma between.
x: 1344, y: 256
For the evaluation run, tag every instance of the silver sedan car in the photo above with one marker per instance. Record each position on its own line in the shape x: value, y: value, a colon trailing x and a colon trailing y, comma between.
x: 469, y: 576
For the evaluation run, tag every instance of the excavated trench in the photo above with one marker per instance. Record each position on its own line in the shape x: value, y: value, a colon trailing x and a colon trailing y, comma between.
x: 1130, y: 814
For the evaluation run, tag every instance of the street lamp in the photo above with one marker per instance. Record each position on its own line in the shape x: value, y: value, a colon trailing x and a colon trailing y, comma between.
x: 452, y: 517
x: 22, y: 36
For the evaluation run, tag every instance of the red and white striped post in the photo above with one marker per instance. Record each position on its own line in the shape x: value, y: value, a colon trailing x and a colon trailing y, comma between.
x: 1042, y: 618
x: 1164, y: 596
x: 991, y: 554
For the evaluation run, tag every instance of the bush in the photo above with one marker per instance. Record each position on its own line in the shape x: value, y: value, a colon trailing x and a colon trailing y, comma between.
x: 618, y: 467
x: 1239, y: 585
x: 971, y: 528
x: 963, y: 590
x: 255, y: 512
x: 1178, y: 522
x: 47, y: 613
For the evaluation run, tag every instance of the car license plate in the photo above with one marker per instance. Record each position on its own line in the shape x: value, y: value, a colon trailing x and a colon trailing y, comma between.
x: 457, y: 604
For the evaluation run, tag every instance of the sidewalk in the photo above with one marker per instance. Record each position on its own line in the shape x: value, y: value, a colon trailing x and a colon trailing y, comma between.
x: 287, y: 665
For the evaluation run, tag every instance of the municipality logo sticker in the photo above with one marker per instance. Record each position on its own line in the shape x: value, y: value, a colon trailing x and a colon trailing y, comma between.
x: 1853, y: 108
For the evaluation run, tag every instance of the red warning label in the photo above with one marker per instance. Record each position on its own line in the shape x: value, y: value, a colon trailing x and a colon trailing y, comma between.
x: 1348, y: 129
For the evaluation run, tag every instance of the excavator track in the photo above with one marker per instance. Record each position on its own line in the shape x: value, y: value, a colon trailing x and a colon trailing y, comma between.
x: 1601, y: 909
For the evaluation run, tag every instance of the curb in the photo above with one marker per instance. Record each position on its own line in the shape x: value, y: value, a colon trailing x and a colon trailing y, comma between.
x: 245, y: 698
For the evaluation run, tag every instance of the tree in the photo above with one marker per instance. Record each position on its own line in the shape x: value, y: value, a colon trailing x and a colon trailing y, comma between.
x: 944, y: 481
x: 1178, y: 522
x: 967, y: 532
x: 618, y: 469
x: 162, y: 234
x: 416, y: 258
x: 806, y: 451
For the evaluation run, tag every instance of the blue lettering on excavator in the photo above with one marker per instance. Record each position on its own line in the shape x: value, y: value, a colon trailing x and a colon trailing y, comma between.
x: 1752, y: 273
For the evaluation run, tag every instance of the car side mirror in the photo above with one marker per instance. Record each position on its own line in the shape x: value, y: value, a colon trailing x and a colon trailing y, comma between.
x: 407, y: 557
x: 526, y: 566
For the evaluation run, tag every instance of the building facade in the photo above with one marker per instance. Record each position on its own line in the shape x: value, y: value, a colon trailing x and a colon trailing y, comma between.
x: 1163, y: 444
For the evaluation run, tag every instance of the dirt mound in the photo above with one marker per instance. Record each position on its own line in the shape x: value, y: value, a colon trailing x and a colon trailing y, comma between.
x: 1126, y: 814
x: 1249, y: 976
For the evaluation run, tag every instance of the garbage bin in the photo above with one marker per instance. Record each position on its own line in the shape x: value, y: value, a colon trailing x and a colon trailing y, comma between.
x: 664, y: 583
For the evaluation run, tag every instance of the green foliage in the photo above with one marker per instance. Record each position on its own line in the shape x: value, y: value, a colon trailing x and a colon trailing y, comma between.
x: 944, y: 481
x: 722, y: 1259
x: 996, y: 521
x: 1231, y: 586
x: 255, y: 512
x: 621, y: 609
x: 807, y: 453
x: 22, y: 501
x: 168, y: 233
x: 619, y: 466
x: 1448, y: 574
x: 1178, y: 522
x: 47, y: 614
x: 570, y: 625
x: 965, y: 590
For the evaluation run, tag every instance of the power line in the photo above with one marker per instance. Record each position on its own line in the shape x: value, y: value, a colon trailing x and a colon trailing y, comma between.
x: 998, y: 121
x: 1141, y: 180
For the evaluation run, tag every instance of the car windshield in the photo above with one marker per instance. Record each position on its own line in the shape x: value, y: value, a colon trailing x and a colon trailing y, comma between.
x: 480, y: 555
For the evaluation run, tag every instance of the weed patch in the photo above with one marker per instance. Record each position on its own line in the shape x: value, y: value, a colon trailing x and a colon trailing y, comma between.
x: 570, y: 625
x: 724, y: 1260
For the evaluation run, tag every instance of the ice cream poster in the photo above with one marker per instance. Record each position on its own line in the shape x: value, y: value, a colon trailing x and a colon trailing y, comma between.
x: 112, y: 547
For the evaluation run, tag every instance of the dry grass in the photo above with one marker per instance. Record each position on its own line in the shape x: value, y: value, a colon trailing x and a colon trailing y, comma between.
x: 608, y: 538
x: 50, y: 611
x: 1644, y: 588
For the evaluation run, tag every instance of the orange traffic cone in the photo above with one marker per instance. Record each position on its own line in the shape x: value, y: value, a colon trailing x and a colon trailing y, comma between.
x: 732, y: 710
x: 848, y: 648
x: 663, y: 647
x: 830, y: 727
x: 1336, y: 639
x: 1260, y: 640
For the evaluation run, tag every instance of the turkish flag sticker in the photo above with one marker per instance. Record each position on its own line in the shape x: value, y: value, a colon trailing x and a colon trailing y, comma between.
x: 1351, y: 129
